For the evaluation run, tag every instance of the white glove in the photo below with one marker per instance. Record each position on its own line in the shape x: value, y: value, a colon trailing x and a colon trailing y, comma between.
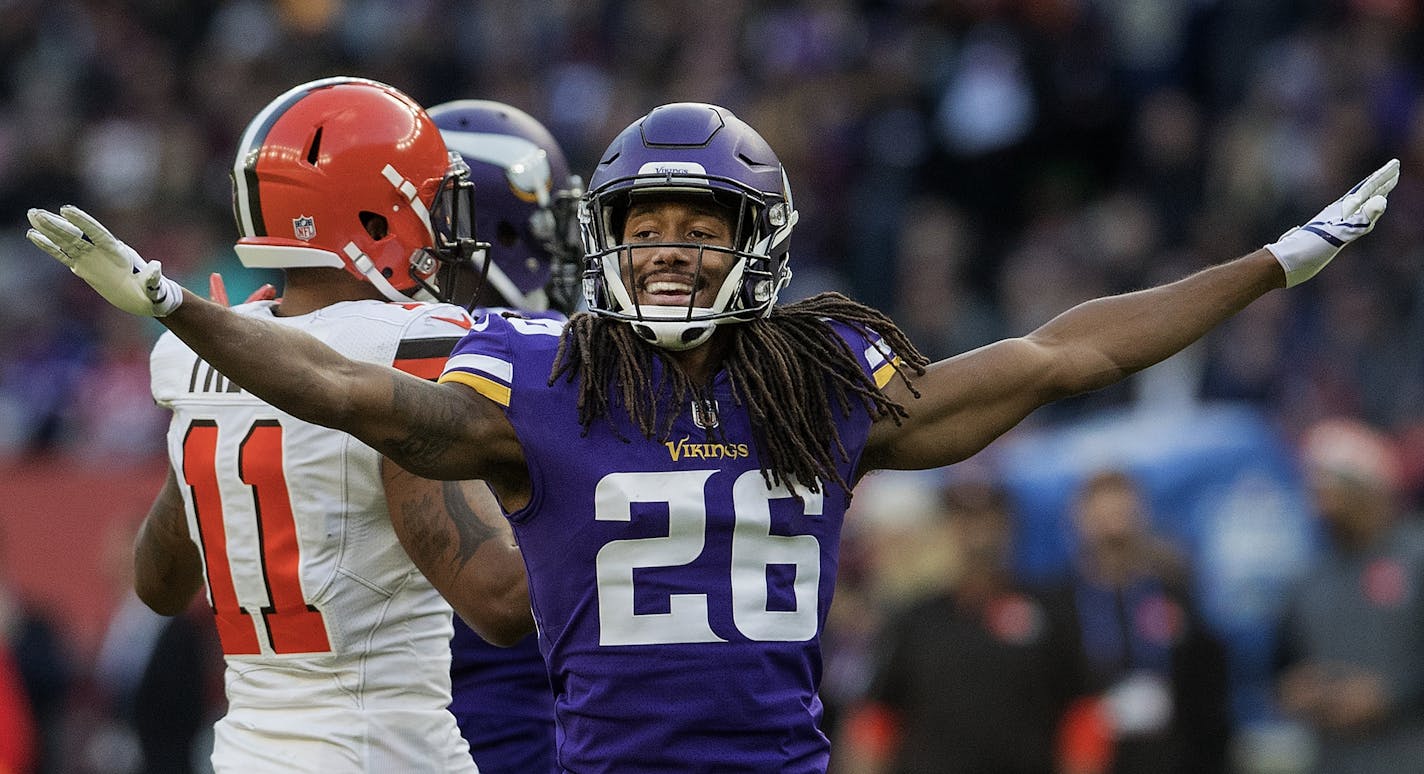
x: 1304, y: 250
x: 111, y: 267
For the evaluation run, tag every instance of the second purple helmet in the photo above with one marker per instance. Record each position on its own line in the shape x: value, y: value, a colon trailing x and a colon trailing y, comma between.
x: 526, y: 201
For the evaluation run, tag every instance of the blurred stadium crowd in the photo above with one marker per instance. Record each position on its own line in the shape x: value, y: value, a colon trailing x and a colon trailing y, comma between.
x: 970, y: 166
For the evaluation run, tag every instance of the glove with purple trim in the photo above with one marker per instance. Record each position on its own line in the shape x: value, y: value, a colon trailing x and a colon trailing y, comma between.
x: 1304, y: 250
x: 111, y: 267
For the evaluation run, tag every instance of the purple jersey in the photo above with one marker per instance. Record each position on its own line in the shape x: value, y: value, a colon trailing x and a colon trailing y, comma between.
x: 679, y: 598
x: 500, y: 697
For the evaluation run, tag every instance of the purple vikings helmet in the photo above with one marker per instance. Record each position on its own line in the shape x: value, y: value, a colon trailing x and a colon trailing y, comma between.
x: 680, y: 149
x: 526, y: 201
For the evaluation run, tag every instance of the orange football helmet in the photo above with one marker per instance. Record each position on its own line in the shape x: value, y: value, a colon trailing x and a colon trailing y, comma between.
x: 350, y: 173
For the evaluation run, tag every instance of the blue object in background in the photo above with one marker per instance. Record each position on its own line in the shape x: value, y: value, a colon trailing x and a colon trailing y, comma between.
x: 1220, y: 483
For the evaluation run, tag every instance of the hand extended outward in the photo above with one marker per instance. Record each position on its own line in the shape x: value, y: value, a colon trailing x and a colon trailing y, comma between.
x: 1304, y: 250
x: 111, y: 267
x: 137, y: 286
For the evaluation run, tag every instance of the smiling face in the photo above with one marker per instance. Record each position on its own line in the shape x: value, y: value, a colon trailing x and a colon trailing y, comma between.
x: 663, y: 275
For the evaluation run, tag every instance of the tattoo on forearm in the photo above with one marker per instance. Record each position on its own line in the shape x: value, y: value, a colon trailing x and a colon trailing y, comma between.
x: 472, y: 530
x: 421, y: 448
x: 427, y: 536
x: 429, y: 533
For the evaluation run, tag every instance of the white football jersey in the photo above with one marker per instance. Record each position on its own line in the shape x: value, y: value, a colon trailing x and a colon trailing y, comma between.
x: 337, y: 648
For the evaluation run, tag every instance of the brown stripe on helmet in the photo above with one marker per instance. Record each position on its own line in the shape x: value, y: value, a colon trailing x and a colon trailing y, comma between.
x: 253, y: 150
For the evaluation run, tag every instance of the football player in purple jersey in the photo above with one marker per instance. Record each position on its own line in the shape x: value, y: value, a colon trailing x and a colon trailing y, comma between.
x: 676, y: 461
x: 526, y: 207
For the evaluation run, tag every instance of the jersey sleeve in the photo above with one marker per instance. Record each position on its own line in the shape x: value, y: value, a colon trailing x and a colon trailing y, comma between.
x: 484, y: 360
x: 426, y: 342
x: 874, y: 353
x: 170, y: 367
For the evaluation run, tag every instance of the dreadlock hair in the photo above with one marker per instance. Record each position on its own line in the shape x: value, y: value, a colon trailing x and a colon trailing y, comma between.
x: 790, y: 370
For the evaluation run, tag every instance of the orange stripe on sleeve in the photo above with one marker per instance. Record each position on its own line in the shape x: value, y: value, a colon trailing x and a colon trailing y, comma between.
x: 423, y: 367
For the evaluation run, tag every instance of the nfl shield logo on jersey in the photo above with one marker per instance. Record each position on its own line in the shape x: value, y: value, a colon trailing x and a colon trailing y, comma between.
x: 704, y: 412
x: 304, y: 227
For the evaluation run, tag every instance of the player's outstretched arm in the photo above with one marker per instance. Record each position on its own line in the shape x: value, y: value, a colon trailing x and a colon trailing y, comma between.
x: 971, y: 399
x: 438, y: 431
x: 455, y: 532
x: 168, y: 572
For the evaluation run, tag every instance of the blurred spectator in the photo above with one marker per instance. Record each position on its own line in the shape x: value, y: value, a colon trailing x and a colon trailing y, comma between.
x: 975, y: 679
x: 31, y: 644
x: 1350, y: 667
x: 112, y: 418
x: 156, y: 684
x: 942, y: 313
x: 18, y: 742
x: 1161, y: 675
x: 886, y: 562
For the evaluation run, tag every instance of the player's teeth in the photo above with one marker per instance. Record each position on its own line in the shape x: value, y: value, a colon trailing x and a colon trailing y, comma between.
x: 668, y: 287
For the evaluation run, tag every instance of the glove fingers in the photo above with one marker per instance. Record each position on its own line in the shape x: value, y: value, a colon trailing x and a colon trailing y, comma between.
x: 1381, y: 181
x: 1378, y: 184
x: 163, y: 293
x: 43, y: 242
x: 148, y: 273
x: 40, y: 218
x: 1391, y: 178
x: 1374, y: 208
x: 58, y: 230
x: 87, y: 224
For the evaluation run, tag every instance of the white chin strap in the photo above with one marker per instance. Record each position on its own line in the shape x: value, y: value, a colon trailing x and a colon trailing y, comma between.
x: 367, y: 267
x: 674, y: 331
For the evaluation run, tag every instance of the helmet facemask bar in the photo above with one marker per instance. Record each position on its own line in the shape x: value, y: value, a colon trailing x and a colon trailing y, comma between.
x: 454, y: 243
x: 564, y: 245
x: 688, y: 312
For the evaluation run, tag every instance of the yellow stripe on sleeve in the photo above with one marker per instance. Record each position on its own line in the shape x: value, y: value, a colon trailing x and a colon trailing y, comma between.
x: 481, y: 384
x: 884, y: 373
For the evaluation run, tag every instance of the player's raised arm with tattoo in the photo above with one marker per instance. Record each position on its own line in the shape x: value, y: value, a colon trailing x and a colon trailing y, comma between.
x: 434, y: 430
